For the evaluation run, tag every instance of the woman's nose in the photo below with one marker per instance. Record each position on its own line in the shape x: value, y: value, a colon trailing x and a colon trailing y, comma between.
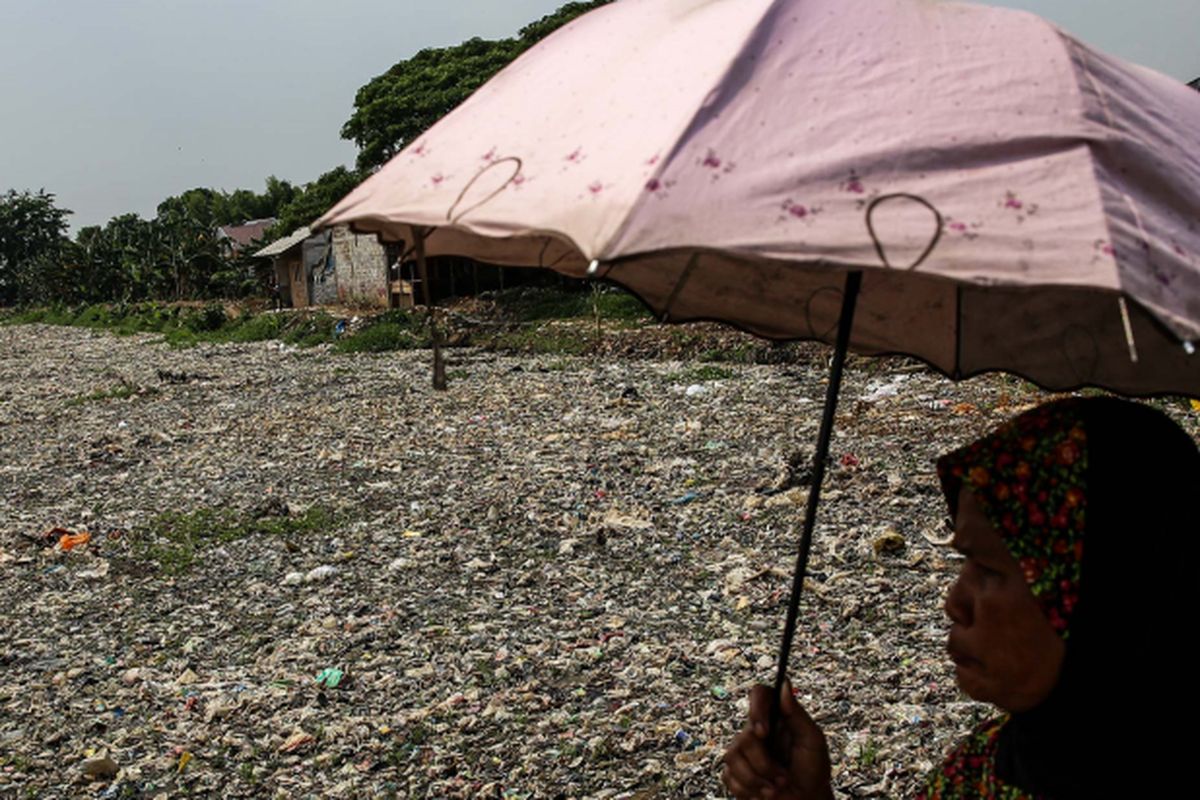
x: 958, y: 604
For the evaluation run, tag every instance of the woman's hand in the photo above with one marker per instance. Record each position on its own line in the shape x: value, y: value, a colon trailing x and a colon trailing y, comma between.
x: 751, y: 769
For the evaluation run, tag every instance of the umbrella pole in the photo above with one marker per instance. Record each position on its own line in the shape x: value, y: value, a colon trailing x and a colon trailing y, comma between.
x: 845, y: 322
x: 435, y: 334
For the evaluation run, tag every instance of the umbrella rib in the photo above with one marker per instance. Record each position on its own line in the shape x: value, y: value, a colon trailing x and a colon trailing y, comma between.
x: 688, y: 269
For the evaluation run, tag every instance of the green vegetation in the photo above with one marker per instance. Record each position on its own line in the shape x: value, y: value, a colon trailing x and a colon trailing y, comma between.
x: 121, y: 391
x: 32, y: 238
x: 393, y: 330
x: 534, y: 304
x: 741, y: 354
x: 702, y: 373
x: 531, y: 322
x: 558, y: 321
x: 868, y: 753
x: 185, y: 325
x: 545, y: 339
x: 175, y: 540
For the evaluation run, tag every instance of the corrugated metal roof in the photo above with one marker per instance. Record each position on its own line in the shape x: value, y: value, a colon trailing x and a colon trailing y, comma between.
x: 280, y: 246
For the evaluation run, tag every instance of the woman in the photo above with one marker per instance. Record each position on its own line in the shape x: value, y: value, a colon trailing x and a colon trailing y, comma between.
x: 1077, y: 520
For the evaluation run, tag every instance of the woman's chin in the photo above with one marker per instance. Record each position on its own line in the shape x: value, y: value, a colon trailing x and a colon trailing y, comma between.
x: 967, y: 676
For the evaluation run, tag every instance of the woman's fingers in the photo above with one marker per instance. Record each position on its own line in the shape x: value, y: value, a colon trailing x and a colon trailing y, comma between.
x: 760, y: 710
x: 749, y: 771
x: 796, y: 764
x: 753, y: 749
x: 802, y: 725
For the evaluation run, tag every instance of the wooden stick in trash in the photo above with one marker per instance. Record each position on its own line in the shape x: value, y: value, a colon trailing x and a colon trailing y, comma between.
x: 435, y: 334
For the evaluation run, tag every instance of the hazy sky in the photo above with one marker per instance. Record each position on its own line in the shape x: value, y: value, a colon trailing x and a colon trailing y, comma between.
x: 114, y: 105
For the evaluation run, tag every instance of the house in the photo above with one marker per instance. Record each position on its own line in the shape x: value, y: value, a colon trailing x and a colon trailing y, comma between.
x: 369, y: 273
x: 341, y: 267
x: 337, y: 267
x: 235, y: 239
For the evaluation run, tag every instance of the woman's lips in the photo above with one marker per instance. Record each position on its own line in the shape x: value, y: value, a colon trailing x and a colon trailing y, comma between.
x: 960, y: 657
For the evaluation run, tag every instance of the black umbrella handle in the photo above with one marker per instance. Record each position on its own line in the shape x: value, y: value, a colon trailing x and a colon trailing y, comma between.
x: 845, y: 323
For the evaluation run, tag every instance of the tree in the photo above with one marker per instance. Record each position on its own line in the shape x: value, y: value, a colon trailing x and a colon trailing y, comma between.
x: 32, y: 235
x: 186, y: 248
x: 398, y: 106
x: 316, y: 198
x: 534, y: 32
x: 232, y: 208
x: 116, y: 262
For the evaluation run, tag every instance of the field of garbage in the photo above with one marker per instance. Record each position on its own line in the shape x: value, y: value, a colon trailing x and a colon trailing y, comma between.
x: 260, y: 570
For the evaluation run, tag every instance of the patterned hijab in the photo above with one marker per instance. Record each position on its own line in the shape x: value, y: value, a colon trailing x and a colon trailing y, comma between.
x: 1087, y: 495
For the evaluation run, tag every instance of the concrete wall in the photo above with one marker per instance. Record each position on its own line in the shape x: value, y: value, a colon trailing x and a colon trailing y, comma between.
x: 361, y: 269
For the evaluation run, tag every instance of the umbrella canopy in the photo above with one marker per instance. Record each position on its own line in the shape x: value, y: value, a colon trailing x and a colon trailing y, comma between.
x: 718, y: 159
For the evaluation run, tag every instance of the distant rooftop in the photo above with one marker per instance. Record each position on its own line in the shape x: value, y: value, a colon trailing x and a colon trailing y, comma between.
x: 243, y: 235
x: 280, y: 246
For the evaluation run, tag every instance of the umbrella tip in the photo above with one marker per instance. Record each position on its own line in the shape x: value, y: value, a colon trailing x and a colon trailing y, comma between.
x: 593, y: 268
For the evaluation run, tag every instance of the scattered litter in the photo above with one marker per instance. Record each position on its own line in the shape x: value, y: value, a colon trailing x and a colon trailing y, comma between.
x: 53, y: 536
x: 321, y: 573
x: 470, y: 652
x: 330, y: 677
x: 880, y: 389
x: 889, y: 543
x: 297, y: 741
x: 938, y: 538
x: 68, y: 542
x: 100, y: 768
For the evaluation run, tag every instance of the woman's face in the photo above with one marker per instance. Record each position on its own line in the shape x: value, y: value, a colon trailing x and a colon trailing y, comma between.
x: 1003, y: 648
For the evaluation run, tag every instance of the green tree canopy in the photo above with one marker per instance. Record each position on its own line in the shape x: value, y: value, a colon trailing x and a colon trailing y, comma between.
x: 399, y: 105
x: 231, y: 208
x: 32, y: 235
x: 316, y: 198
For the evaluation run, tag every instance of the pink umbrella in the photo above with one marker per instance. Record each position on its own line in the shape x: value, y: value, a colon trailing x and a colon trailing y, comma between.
x: 963, y: 184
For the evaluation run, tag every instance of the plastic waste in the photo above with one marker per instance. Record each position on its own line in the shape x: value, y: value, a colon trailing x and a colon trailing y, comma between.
x: 68, y: 541
x: 330, y: 677
x: 321, y: 573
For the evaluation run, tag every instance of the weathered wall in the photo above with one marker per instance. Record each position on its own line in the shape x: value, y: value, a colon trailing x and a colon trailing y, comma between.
x: 361, y: 269
x: 322, y: 274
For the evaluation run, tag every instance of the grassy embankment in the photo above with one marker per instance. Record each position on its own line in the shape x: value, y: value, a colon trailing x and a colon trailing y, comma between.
x: 519, y: 322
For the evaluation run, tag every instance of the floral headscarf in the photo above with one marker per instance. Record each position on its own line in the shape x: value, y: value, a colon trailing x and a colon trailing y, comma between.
x: 1030, y: 477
